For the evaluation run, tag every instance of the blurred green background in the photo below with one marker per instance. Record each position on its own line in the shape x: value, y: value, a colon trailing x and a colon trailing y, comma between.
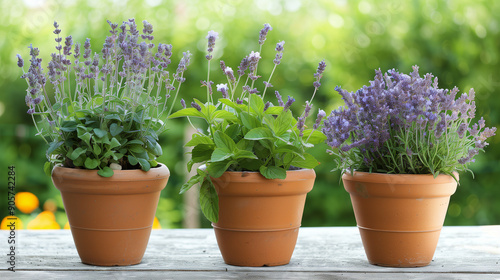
x: 458, y: 41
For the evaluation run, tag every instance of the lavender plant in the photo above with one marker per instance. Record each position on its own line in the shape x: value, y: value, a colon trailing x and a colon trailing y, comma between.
x: 103, y: 110
x: 244, y: 132
x: 405, y: 124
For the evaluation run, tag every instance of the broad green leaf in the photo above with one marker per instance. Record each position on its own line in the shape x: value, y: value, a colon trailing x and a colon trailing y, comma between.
x: 249, y: 121
x: 77, y: 152
x: 136, y: 148
x: 257, y: 104
x: 221, y: 140
x: 216, y: 169
x: 284, y: 122
x: 106, y: 172
x: 233, y: 131
x: 225, y: 115
x: 289, y: 149
x: 237, y: 107
x: 272, y: 172
x: 132, y: 160
x: 115, y: 129
x: 113, y: 117
x: 153, y: 146
x: 86, y: 138
x: 245, y: 154
x: 114, y: 143
x: 199, y: 139
x: 191, y: 182
x: 187, y: 112
x: 259, y: 133
x: 91, y: 163
x: 314, y: 136
x: 202, y: 152
x: 275, y: 110
x: 68, y: 126
x: 97, y: 149
x: 209, y: 201
x: 135, y: 141
x: 308, y: 161
x: 145, y: 165
x: 53, y: 146
x: 99, y: 132
x: 47, y: 168
x: 220, y: 154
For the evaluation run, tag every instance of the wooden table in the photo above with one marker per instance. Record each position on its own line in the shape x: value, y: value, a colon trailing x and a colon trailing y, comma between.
x: 321, y: 253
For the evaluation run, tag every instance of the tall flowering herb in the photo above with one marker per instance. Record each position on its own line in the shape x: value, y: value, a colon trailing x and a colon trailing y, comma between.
x: 106, y: 107
x: 406, y: 124
x: 245, y: 132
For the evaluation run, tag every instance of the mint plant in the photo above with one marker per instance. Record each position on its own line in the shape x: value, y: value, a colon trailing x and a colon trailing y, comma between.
x: 245, y: 133
x: 103, y: 110
x: 406, y: 124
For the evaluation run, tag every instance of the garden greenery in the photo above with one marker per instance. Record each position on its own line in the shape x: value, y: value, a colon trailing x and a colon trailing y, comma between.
x: 107, y: 108
x: 405, y: 124
x: 244, y: 132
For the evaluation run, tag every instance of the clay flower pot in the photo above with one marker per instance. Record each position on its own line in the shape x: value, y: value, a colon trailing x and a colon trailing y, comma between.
x: 110, y: 218
x: 399, y: 216
x: 259, y: 219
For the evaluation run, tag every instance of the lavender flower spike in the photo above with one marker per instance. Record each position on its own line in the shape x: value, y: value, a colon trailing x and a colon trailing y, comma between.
x: 263, y: 33
x: 288, y: 103
x: 183, y: 103
x: 321, y: 115
x: 212, y: 36
x: 279, y: 54
x: 223, y: 89
x: 20, y: 61
x: 280, y: 100
x: 196, y: 106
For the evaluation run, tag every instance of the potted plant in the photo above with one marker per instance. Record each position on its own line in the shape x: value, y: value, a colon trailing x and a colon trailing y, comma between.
x: 101, y: 117
x: 256, y: 171
x: 401, y: 142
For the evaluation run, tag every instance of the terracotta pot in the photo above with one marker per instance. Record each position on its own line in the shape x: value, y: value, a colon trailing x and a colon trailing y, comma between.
x: 399, y: 216
x: 110, y: 218
x: 259, y: 219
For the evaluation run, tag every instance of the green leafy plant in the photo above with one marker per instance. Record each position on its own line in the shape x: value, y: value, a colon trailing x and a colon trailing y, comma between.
x: 106, y: 111
x: 245, y: 133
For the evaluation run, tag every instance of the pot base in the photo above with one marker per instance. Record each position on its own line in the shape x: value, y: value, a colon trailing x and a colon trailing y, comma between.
x: 111, y: 247
x: 256, y: 248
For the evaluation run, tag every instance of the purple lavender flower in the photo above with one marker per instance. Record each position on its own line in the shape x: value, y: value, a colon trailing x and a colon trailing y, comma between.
x: 319, y: 118
x: 279, y: 52
x: 263, y: 33
x: 239, y: 101
x: 212, y: 36
x: 267, y: 85
x: 57, y: 30
x: 307, y: 110
x: 228, y: 71
x: 31, y: 111
x: 288, y: 103
x: 461, y: 130
x: 280, y: 100
x: 20, y: 61
x: 243, y: 66
x: 67, y: 45
x: 300, y: 125
x: 223, y: 89
x: 267, y: 105
x: 183, y: 103
x: 183, y: 63
x: 196, y: 106
x: 319, y: 74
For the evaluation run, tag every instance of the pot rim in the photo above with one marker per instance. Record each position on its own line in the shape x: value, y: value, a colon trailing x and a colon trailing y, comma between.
x: 155, y: 173
x: 291, y: 175
x: 423, y: 179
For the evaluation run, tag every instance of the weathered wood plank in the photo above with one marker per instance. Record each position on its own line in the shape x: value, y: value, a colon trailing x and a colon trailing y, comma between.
x: 330, y: 252
x: 192, y: 275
